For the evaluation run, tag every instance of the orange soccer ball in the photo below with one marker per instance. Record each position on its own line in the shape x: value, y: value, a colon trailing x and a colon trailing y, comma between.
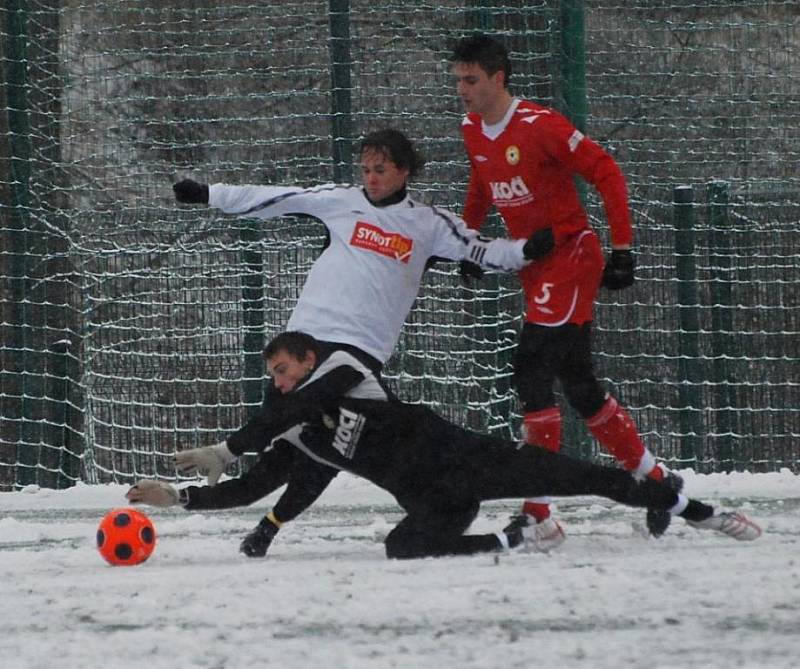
x: 126, y: 537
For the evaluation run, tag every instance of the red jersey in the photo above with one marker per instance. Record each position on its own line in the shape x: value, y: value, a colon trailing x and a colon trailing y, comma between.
x: 524, y: 166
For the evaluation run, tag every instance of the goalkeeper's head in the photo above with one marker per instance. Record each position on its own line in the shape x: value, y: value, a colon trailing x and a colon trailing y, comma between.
x: 290, y: 358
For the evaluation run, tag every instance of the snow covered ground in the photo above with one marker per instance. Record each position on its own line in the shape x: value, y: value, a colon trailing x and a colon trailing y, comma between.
x: 325, y: 596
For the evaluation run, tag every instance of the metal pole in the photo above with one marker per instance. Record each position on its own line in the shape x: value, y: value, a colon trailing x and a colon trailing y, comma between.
x: 688, y: 314
x: 722, y: 337
x: 341, y: 87
x: 253, y: 316
x: 19, y: 142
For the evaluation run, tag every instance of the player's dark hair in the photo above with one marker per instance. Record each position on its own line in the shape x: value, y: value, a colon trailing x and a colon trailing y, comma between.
x: 486, y: 52
x: 395, y: 146
x: 296, y: 344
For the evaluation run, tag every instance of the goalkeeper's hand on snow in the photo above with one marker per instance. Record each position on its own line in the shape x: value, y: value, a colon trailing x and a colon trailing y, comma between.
x: 257, y: 542
x: 191, y: 192
x: 618, y: 272
x: 154, y: 493
x: 209, y: 461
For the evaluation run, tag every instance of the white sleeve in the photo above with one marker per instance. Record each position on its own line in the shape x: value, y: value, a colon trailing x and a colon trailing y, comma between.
x: 271, y: 201
x: 504, y: 255
x: 457, y: 241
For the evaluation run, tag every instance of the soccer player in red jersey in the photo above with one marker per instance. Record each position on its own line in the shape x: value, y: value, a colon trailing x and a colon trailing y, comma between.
x: 523, y: 157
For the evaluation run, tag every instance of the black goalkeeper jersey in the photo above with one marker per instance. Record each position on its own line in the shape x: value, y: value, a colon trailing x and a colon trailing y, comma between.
x: 337, y: 421
x: 341, y: 419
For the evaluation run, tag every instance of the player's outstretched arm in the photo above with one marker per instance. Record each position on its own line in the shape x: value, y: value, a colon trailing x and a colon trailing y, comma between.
x: 209, y: 461
x: 537, y: 246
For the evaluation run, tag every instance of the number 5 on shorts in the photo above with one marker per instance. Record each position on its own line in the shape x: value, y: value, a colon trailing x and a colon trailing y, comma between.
x: 544, y: 295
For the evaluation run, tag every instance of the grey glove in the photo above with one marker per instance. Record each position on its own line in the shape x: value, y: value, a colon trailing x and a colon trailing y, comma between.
x: 209, y: 461
x: 154, y: 493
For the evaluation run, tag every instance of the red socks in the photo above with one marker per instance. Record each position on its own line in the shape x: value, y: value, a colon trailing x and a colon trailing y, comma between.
x: 611, y: 426
x: 614, y: 429
x: 543, y: 428
x: 540, y: 510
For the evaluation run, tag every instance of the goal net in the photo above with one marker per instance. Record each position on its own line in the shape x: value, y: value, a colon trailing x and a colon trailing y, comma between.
x: 132, y: 327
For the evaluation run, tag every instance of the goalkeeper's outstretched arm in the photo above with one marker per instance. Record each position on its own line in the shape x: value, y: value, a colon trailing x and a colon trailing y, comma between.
x: 269, y: 473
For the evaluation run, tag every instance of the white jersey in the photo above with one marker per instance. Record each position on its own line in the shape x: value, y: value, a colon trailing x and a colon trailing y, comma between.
x: 363, y: 285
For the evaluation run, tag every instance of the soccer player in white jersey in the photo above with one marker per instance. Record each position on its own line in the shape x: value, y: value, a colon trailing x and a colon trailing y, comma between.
x: 361, y: 288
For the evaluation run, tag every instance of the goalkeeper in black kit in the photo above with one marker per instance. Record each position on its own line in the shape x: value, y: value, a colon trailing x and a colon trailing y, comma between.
x: 333, y: 415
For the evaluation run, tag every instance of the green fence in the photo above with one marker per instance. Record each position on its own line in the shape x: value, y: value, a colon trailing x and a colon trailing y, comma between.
x: 131, y: 327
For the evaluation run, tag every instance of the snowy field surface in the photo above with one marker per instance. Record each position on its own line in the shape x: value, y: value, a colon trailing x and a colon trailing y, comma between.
x: 609, y: 598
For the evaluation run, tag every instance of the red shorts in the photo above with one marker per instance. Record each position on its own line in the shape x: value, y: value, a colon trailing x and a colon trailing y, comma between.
x: 562, y: 287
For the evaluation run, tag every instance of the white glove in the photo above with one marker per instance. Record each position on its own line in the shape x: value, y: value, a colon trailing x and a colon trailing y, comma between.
x: 208, y: 461
x: 154, y: 493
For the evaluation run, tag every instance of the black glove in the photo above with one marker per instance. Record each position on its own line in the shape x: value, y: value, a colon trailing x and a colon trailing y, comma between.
x: 257, y: 542
x: 191, y: 192
x: 539, y: 244
x: 469, y: 271
x: 618, y: 272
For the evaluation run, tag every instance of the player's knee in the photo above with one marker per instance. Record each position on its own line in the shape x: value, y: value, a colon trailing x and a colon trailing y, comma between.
x: 585, y: 395
x: 396, y: 552
x: 535, y: 391
x: 401, y: 546
x: 533, y: 382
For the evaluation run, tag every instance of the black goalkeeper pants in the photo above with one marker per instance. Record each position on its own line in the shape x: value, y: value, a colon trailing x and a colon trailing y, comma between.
x: 442, y: 508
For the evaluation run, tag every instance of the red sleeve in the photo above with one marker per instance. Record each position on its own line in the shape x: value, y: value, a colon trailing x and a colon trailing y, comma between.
x: 606, y: 176
x: 477, y: 202
x: 587, y: 158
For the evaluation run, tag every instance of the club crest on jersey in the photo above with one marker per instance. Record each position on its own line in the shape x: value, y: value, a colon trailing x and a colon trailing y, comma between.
x: 510, y: 193
x: 348, y: 432
x: 512, y: 155
x: 390, y: 244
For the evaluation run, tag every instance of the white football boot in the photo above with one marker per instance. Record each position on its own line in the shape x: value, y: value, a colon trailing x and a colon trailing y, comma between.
x: 544, y: 536
x: 732, y: 523
x: 540, y: 537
